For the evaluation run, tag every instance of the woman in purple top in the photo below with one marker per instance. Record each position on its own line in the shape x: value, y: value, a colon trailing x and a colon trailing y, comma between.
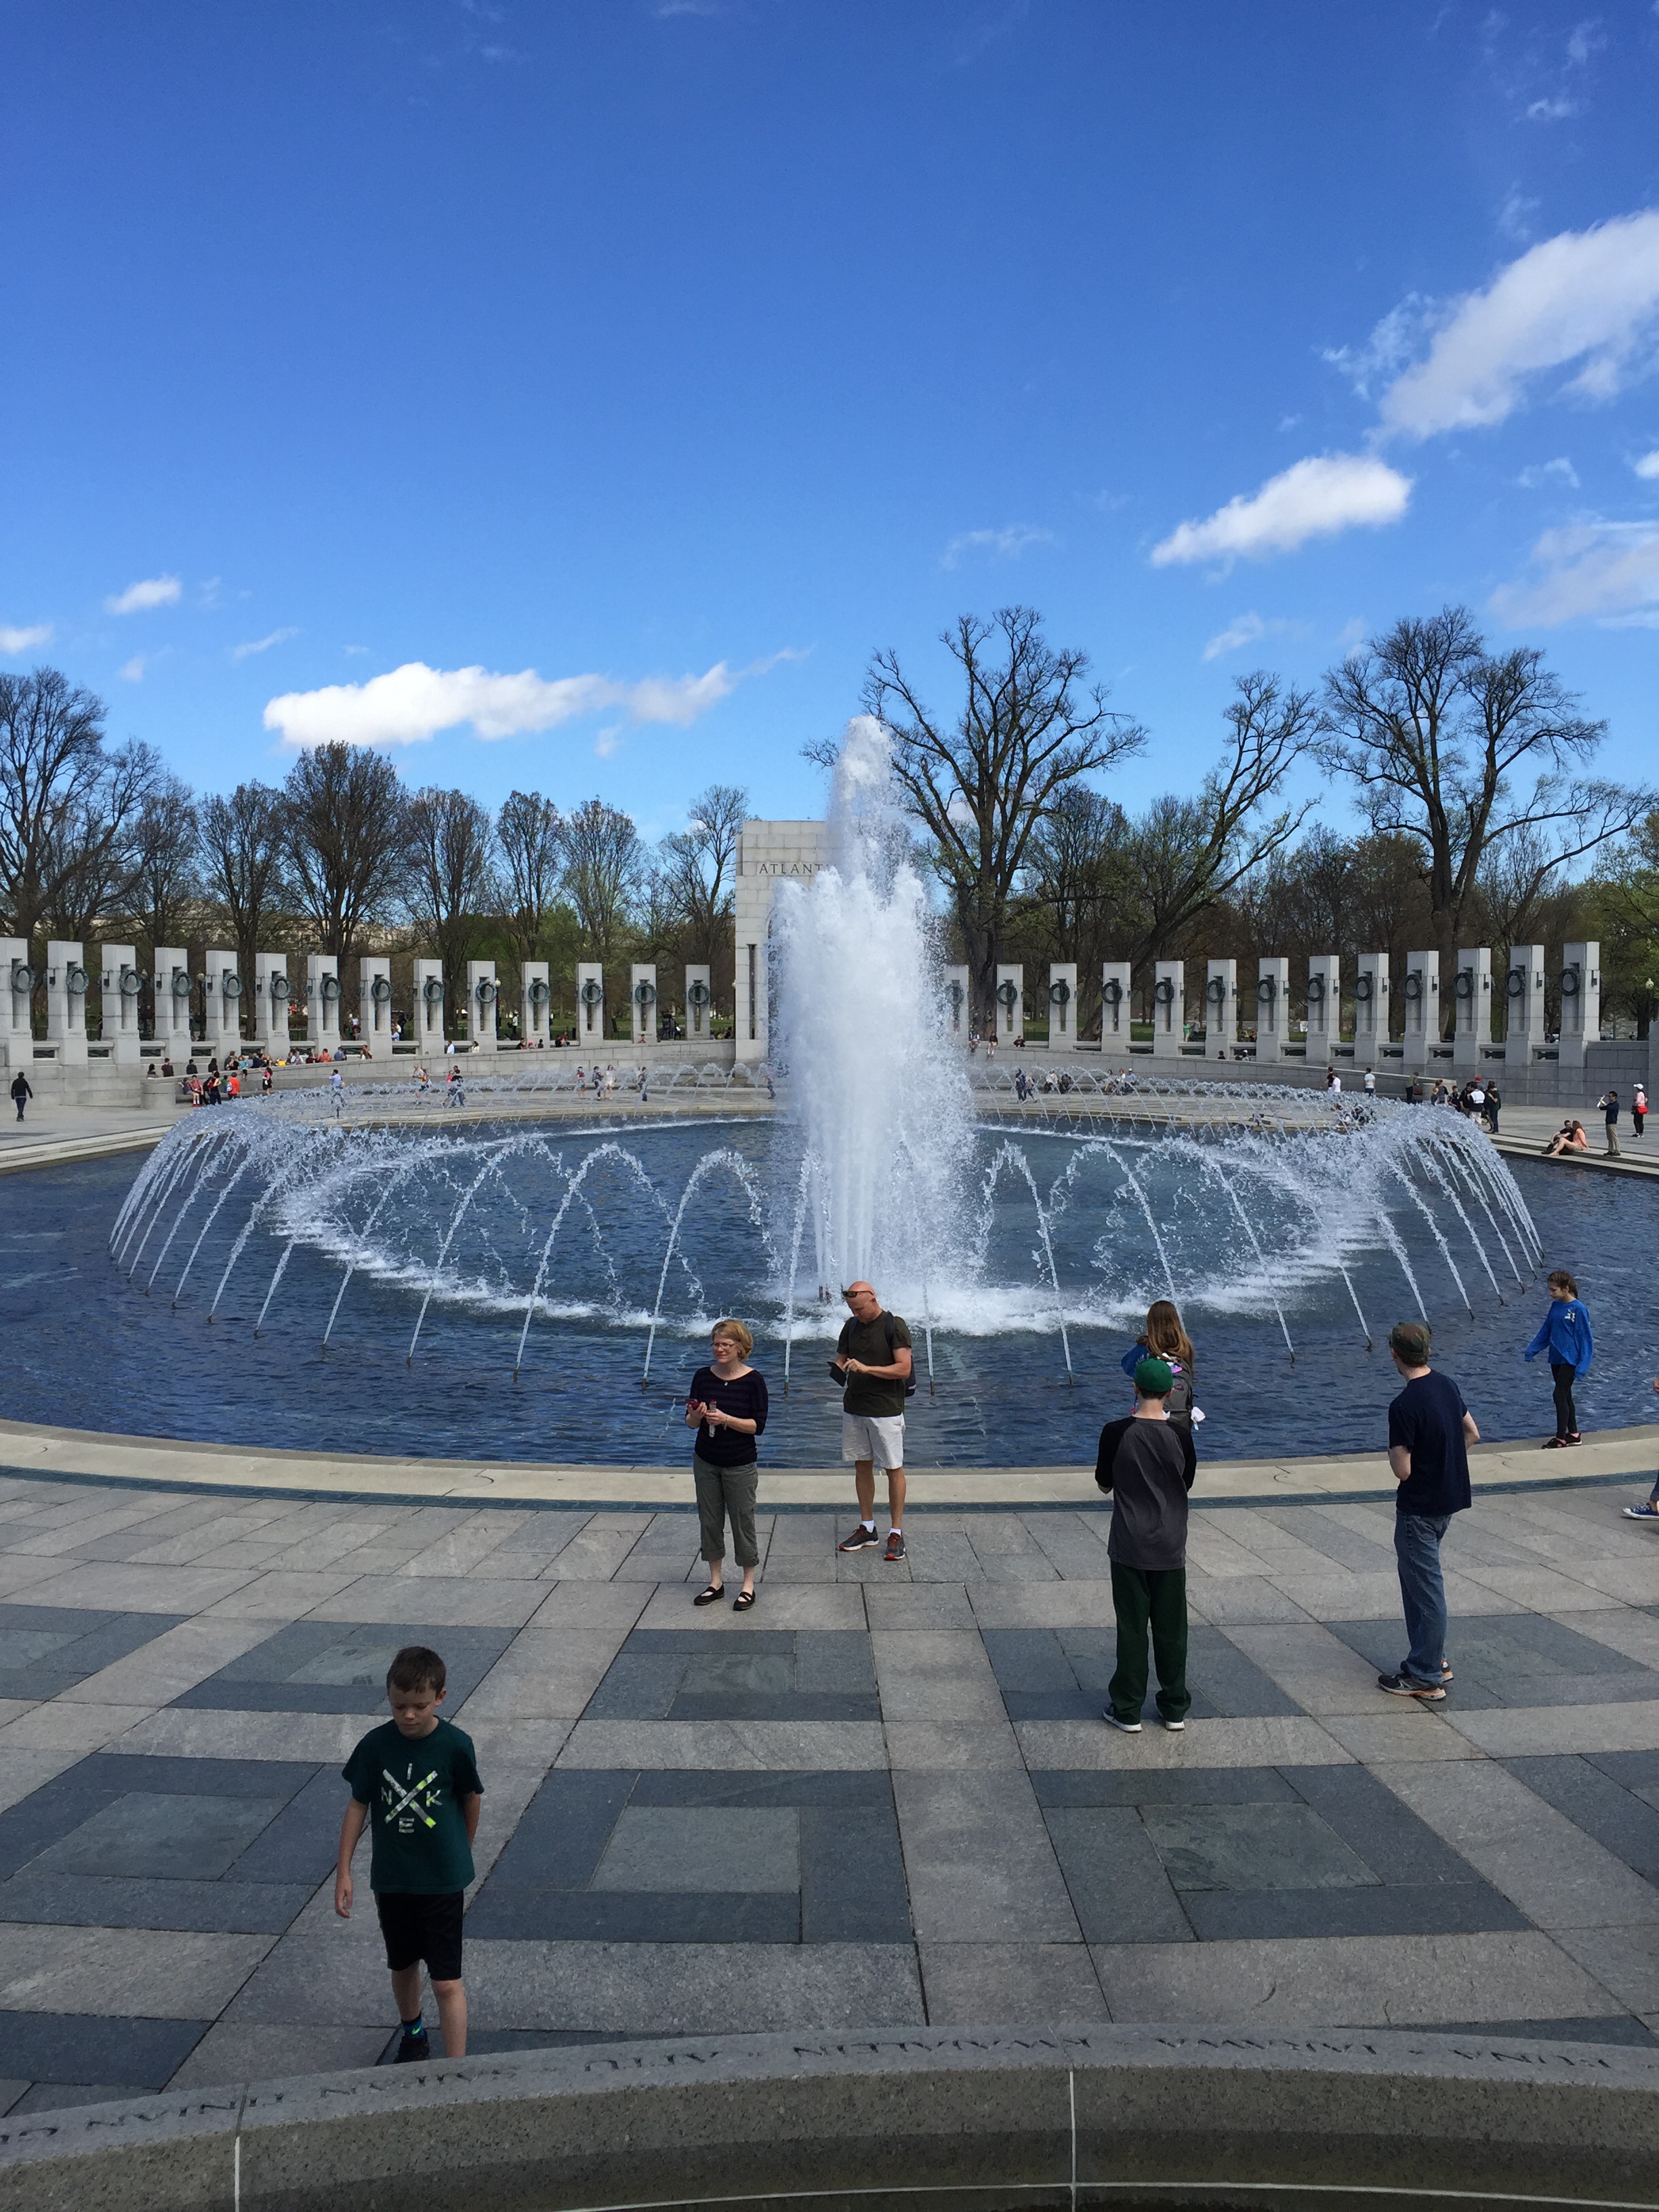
x: 727, y: 1408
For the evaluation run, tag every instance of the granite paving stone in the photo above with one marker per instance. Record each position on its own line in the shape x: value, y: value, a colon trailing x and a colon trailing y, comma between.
x: 884, y: 1797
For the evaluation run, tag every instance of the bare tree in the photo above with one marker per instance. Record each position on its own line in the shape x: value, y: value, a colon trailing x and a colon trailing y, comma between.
x: 1188, y: 853
x: 979, y: 787
x: 1077, y: 886
x: 166, y: 849
x: 604, y: 871
x: 344, y: 811
x: 244, y: 843
x: 68, y: 804
x: 699, y: 866
x: 1435, y: 731
x: 530, y: 831
x: 450, y: 883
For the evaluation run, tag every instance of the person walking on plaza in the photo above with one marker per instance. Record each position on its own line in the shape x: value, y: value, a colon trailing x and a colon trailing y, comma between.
x: 1608, y: 1105
x: 1565, y: 1334
x: 1430, y: 1431
x: 1147, y: 1464
x: 21, y: 1093
x: 1649, y: 1510
x: 727, y: 1408
x: 414, y: 1785
x: 1638, y: 1108
x: 1164, y: 1339
x: 873, y: 1358
x: 1494, y: 1107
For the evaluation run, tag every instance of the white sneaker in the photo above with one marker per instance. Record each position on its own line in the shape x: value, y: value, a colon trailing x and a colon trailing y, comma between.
x: 1128, y: 1728
x: 1174, y: 1727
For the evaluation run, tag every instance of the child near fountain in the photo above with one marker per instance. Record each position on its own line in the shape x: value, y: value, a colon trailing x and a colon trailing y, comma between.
x: 1147, y: 1462
x: 1164, y: 1338
x: 414, y: 1785
x: 1565, y: 1334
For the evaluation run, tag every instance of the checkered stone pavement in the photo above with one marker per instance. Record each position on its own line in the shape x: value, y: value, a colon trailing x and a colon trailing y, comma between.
x: 883, y: 1798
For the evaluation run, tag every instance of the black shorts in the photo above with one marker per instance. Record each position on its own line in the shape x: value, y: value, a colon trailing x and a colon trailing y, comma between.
x: 417, y: 1927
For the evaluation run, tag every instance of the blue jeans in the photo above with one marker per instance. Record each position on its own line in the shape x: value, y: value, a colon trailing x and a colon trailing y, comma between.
x: 1417, y: 1551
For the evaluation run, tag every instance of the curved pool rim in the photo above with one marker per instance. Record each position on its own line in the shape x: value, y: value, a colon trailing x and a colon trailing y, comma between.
x: 945, y: 2118
x: 38, y: 1452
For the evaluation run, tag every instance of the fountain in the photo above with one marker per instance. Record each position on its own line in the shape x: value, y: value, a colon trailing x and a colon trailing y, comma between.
x: 541, y: 1284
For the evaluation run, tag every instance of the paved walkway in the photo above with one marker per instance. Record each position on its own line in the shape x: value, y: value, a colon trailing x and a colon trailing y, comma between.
x: 883, y: 1798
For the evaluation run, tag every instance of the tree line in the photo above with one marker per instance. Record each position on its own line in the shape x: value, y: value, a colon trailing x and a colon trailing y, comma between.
x: 1472, y: 769
x: 340, y: 857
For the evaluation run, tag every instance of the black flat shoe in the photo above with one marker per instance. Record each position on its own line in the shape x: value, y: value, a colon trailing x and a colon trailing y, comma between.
x: 712, y: 1595
x: 743, y: 1601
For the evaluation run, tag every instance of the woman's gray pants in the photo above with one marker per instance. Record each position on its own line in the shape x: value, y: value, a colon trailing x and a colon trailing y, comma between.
x: 720, y: 1491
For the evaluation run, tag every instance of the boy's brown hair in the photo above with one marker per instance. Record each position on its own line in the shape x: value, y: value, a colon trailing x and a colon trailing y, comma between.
x: 1411, y: 1340
x: 1560, y: 1280
x: 415, y: 1667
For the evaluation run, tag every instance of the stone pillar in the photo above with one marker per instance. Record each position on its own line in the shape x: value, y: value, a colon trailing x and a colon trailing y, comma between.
x: 120, y: 983
x: 1371, y: 1010
x: 1009, y: 1004
x: 173, y: 992
x: 642, y: 980
x: 66, y: 1000
x: 1323, y: 1030
x: 769, y: 852
x: 1524, y: 993
x: 1221, y: 1010
x: 16, y: 982
x: 1117, y: 1008
x: 427, y: 1015
x: 1169, y: 1008
x: 374, y: 1004
x: 699, y: 1002
x: 222, y: 1031
x: 322, y: 1001
x: 1581, y: 1001
x: 1272, y: 1007
x: 482, y: 992
x: 272, y: 992
x: 1471, y: 1008
x: 535, y: 1003
x: 957, y: 999
x: 1062, y: 1006
x: 590, y: 1002
x: 1421, y: 991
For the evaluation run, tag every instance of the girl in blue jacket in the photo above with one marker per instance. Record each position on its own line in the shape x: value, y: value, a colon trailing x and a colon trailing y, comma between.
x: 1565, y: 1335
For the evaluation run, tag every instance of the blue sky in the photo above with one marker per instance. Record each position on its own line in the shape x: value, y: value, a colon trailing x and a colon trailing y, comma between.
x: 573, y: 395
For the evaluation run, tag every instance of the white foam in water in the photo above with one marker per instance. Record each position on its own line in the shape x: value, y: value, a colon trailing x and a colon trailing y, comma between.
x: 880, y: 1097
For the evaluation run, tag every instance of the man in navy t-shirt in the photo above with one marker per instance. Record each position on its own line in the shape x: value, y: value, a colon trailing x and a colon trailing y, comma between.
x: 1430, y: 1431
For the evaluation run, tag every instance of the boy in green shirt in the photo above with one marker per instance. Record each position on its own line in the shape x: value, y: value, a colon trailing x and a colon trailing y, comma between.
x: 415, y: 1779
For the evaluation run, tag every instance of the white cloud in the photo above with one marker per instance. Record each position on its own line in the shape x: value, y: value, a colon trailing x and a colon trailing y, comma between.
x: 1606, y: 571
x: 1648, y: 466
x: 24, y: 637
x: 1587, y: 296
x: 1544, y: 476
x: 608, y: 740
x: 1587, y: 39
x: 139, y: 598
x: 1244, y: 630
x: 1315, y: 498
x: 1389, y: 347
x: 1009, y: 542
x: 262, y: 644
x: 1556, y: 109
x: 1514, y: 216
x: 133, y: 672
x: 414, y: 702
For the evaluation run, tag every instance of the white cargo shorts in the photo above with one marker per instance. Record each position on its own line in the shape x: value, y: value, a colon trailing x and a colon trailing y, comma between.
x: 876, y: 1437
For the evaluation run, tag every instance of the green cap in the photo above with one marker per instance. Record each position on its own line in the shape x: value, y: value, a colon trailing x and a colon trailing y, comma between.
x: 1154, y: 1378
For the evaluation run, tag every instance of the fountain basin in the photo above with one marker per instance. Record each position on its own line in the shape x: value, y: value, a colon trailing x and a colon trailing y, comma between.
x: 953, y: 2118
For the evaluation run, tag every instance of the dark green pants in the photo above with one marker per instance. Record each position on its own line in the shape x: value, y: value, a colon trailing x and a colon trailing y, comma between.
x: 1144, y: 1597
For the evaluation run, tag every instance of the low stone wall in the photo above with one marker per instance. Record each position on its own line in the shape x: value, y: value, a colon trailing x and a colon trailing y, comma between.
x: 960, y: 2117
